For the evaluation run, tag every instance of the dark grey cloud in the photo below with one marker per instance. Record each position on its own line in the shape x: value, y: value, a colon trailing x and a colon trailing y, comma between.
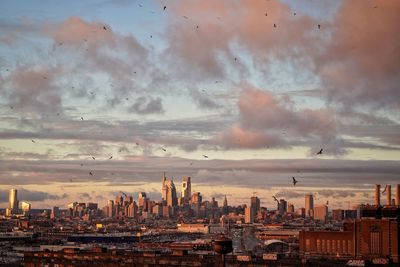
x: 147, y: 105
x: 31, y: 195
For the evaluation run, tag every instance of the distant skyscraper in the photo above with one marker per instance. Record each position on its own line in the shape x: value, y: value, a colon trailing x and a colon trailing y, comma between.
x: 110, y: 210
x: 172, y: 199
x: 186, y: 190
x: 321, y: 213
x: 225, y: 206
x: 142, y: 199
x: 25, y: 207
x: 13, y: 200
x: 249, y: 215
x: 282, y: 207
x: 309, y: 205
x: 254, y: 207
x: 164, y: 189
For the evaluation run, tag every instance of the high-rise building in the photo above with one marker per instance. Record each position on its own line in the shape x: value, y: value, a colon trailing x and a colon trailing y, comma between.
x: 249, y: 215
x: 398, y: 194
x: 13, y: 200
x: 172, y: 199
x: 110, y: 210
x: 282, y: 206
x: 164, y: 189
x: 25, y: 207
x: 338, y: 214
x: 142, y: 199
x: 225, y: 206
x: 377, y: 195
x: 290, y: 208
x: 55, y: 212
x: 309, y: 205
x: 186, y: 190
x: 321, y: 213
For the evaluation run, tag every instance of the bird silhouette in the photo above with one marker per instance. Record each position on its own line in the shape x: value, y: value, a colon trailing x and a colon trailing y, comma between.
x: 33, y: 141
x: 266, y: 14
x: 165, y: 7
x: 274, y: 25
x: 205, y: 156
x: 320, y: 152
x: 104, y: 28
x: 91, y: 173
x: 82, y: 118
x: 137, y: 143
x: 110, y: 157
x: 319, y: 26
x: 164, y: 149
x: 93, y: 158
x: 294, y: 181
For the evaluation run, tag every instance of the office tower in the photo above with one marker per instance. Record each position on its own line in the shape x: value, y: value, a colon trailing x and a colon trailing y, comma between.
x: 186, y: 190
x: 172, y: 199
x: 110, y: 210
x: 25, y: 207
x: 321, y: 213
x: 398, y: 194
x: 254, y: 207
x: 249, y: 215
x: 55, y: 212
x: 290, y: 208
x: 338, y: 214
x: 142, y: 199
x: 164, y: 189
x: 13, y: 200
x: 225, y: 206
x: 132, y: 210
x: 309, y: 205
x: 196, y: 198
x: 377, y: 195
x: 282, y: 206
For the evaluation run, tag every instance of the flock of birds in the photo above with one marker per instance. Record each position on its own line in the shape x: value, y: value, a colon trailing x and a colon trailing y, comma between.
x: 294, y: 180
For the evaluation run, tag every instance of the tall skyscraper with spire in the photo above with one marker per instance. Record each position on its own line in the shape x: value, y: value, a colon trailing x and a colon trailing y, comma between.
x: 186, y: 190
x: 168, y: 192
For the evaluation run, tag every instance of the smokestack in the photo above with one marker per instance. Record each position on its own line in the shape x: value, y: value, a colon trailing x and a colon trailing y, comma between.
x: 388, y: 195
x: 398, y: 194
x: 377, y: 195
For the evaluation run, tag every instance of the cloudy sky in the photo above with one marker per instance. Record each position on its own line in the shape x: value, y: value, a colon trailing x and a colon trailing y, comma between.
x: 256, y: 86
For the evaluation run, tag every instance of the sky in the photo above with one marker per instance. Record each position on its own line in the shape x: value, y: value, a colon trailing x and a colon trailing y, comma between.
x: 238, y: 95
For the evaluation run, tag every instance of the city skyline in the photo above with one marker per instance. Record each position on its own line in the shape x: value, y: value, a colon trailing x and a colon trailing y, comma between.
x: 105, y: 96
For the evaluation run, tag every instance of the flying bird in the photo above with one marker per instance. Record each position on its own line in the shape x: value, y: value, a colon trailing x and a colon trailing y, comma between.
x: 137, y: 143
x: 294, y: 14
x: 104, y: 28
x: 165, y: 7
x: 81, y: 164
x: 274, y: 25
x: 320, y: 152
x: 185, y: 17
x: 110, y: 157
x: 82, y: 118
x: 294, y: 181
x: 266, y: 14
x: 93, y: 158
x: 205, y: 156
x: 33, y: 141
x: 319, y: 26
x: 127, y: 98
x: 140, y: 5
x: 164, y: 149
x: 91, y: 173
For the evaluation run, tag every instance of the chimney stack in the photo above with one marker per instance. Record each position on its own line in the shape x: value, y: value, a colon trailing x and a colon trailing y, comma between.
x: 377, y: 195
x: 398, y: 194
x: 388, y: 195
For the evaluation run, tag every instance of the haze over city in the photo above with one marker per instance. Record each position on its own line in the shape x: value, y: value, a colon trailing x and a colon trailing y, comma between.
x: 99, y: 97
